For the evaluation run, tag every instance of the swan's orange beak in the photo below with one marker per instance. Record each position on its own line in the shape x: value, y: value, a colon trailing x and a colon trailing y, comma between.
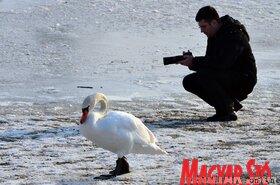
x: 84, y: 117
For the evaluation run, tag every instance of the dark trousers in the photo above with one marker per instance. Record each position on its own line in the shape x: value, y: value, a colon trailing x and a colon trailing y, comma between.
x: 218, y: 89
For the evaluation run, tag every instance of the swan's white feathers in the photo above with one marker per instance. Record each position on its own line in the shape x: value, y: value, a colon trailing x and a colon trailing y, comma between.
x: 119, y: 132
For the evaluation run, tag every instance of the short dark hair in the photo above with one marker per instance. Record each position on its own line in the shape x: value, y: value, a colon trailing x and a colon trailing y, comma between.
x: 208, y: 13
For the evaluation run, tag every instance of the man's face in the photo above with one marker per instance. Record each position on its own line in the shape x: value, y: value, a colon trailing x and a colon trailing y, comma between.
x: 209, y: 29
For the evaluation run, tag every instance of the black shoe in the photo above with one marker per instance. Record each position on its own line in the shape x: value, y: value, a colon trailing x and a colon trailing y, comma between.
x: 223, y: 117
x: 237, y: 105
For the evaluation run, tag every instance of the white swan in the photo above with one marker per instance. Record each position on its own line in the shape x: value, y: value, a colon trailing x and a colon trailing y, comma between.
x: 116, y: 131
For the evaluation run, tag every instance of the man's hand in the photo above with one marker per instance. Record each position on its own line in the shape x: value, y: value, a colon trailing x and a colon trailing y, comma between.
x: 187, y: 61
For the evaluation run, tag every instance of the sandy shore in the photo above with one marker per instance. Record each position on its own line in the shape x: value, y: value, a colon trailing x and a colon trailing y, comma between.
x: 47, y: 50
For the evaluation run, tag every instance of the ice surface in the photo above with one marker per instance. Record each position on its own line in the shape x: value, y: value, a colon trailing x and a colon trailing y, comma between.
x: 48, y: 48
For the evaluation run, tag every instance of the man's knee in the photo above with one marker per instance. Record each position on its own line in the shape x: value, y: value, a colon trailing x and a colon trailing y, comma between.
x: 188, y: 82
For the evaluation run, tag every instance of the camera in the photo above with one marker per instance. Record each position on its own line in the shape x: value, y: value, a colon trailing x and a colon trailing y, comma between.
x: 175, y: 59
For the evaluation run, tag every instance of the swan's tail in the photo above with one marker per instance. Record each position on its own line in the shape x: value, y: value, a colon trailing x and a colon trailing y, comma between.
x: 158, y: 150
x: 152, y: 149
x: 147, y: 141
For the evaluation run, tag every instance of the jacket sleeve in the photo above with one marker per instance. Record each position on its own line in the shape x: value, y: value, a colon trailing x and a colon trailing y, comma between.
x: 225, y: 54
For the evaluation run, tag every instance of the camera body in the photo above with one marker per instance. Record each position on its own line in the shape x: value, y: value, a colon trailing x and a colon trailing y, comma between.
x: 175, y: 59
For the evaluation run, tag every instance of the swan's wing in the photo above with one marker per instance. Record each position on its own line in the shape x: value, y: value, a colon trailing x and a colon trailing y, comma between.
x: 131, y: 125
x: 142, y: 134
x: 144, y: 140
x: 124, y: 129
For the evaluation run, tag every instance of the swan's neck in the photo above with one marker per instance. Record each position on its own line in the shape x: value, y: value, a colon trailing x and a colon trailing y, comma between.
x: 102, y: 100
x: 103, y: 108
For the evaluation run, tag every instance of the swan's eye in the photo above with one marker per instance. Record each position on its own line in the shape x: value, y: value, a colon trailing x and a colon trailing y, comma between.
x: 85, y: 109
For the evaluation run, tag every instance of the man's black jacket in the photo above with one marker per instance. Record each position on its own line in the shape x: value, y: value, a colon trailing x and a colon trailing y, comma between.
x: 229, y: 51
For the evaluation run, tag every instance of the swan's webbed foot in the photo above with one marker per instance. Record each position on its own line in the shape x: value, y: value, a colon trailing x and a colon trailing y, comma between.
x: 105, y: 177
x: 122, y: 167
x: 112, y: 172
